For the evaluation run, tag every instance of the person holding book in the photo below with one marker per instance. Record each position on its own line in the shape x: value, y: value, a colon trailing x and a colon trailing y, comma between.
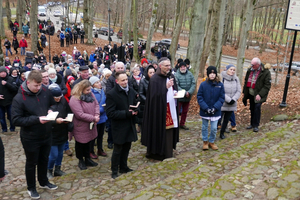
x: 86, y: 114
x: 160, y: 131
x: 59, y: 132
x: 118, y: 101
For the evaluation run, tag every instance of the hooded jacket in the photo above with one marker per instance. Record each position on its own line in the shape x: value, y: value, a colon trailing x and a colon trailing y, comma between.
x: 27, y: 107
x: 9, y: 90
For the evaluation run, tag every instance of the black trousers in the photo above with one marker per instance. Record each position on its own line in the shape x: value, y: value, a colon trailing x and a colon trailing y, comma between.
x: 67, y: 43
x: 119, y: 157
x: 255, y: 109
x: 82, y: 150
x: 100, y: 130
x: 37, y: 153
x: 1, y: 159
x: 62, y: 43
x: 75, y: 40
x: 226, y: 116
x: 82, y: 40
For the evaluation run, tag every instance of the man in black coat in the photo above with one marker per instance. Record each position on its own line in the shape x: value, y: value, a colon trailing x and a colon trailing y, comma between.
x: 160, y: 127
x: 8, y: 89
x: 29, y: 106
x: 118, y: 101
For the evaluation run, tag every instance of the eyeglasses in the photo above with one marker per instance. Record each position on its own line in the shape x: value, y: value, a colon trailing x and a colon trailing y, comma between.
x: 45, y: 77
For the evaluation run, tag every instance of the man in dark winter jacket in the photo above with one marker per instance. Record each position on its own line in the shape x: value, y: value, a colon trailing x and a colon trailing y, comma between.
x: 256, y: 88
x: 7, y: 45
x: 35, y: 130
x: 122, y: 117
x: 8, y: 89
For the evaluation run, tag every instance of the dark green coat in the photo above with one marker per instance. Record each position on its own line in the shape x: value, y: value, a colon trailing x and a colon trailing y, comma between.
x: 187, y: 82
x: 262, y: 85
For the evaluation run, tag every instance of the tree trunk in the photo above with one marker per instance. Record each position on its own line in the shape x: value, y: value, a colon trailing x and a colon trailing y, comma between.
x: 243, y: 37
x: 151, y: 27
x: 18, y: 11
x: 2, y: 36
x: 217, y: 33
x: 176, y: 32
x: 242, y: 18
x: 135, y: 31
x: 33, y: 26
x: 165, y: 19
x: 90, y: 21
x: 196, y: 37
x: 76, y: 11
x: 85, y: 16
x: 8, y: 11
x: 126, y: 21
x: 207, y: 39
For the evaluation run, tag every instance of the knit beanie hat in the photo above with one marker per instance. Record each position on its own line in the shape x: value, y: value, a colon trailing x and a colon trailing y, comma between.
x: 228, y: 66
x: 93, y: 80
x: 3, y: 69
x: 182, y: 64
x: 211, y: 69
x: 51, y: 71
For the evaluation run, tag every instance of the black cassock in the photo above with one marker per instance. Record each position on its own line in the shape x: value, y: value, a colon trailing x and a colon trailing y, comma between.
x: 154, y: 118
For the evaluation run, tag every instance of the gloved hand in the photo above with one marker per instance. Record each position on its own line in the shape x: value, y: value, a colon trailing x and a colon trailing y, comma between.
x: 231, y: 102
x: 208, y: 110
x: 212, y: 111
x: 245, y: 102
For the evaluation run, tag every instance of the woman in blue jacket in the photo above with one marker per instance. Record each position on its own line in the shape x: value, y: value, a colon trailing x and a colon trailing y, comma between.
x: 210, y: 97
x: 100, y: 96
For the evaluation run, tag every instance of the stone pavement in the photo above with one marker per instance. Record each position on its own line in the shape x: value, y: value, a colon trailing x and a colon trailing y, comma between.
x: 248, y: 165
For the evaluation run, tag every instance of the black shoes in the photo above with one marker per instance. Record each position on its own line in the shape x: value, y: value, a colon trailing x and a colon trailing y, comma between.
x: 33, y: 194
x: 110, y: 146
x: 82, y: 165
x: 114, y: 175
x: 184, y: 127
x: 58, y: 172
x: 49, y: 186
x: 222, y: 136
x: 90, y: 162
x: 249, y: 127
x: 255, y: 129
x: 124, y: 171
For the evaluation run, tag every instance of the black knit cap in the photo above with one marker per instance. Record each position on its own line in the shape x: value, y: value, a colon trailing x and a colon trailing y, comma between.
x: 211, y: 69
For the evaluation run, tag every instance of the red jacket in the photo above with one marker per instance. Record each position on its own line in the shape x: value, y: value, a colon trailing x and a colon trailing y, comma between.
x: 23, y: 43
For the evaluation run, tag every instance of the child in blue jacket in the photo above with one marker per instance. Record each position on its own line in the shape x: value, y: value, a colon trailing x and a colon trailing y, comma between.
x: 100, y: 96
x: 210, y: 97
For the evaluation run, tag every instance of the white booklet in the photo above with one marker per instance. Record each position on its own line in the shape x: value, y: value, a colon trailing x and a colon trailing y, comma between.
x: 51, y: 116
x: 179, y: 94
x: 69, y: 118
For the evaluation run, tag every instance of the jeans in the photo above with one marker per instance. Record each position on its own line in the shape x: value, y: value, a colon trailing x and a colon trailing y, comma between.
x: 22, y: 50
x: 185, y: 109
x: 7, y: 51
x: 213, y: 130
x: 66, y: 147
x: 3, y: 110
x: 255, y: 109
x: 56, y: 155
x: 232, y: 119
x: 37, y: 154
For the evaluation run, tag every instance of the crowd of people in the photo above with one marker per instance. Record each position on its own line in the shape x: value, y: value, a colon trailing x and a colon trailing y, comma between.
x: 103, y: 92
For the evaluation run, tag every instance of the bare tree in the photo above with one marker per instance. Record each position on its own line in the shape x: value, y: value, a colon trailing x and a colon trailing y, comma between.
x: 126, y: 21
x: 176, y: 32
x: 33, y: 25
x: 8, y: 11
x: 135, y: 30
x: 243, y: 37
x: 151, y: 27
x: 1, y: 36
x: 90, y: 21
x: 77, y: 11
x: 196, y: 37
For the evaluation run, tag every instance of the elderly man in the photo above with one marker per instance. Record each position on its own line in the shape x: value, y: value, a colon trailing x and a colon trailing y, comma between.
x: 160, y: 122
x: 186, y: 81
x: 84, y: 74
x: 256, y: 88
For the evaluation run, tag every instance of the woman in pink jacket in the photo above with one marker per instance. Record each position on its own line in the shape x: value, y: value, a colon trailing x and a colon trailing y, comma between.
x: 86, y: 115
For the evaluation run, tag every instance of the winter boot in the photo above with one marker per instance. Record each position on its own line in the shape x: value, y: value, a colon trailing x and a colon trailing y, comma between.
x: 82, y: 165
x: 233, y: 129
x: 213, y: 146
x: 58, y: 172
x: 222, y: 136
x: 50, y: 173
x: 90, y: 162
x: 205, y: 145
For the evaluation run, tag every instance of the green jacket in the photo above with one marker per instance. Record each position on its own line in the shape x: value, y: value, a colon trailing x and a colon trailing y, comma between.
x: 262, y: 85
x: 187, y: 82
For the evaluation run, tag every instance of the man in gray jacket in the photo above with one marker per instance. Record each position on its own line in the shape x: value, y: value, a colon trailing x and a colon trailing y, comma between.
x: 185, y: 81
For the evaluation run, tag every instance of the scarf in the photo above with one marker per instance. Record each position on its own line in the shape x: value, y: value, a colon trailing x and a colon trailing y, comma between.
x: 126, y: 89
x: 53, y: 79
x: 251, y: 82
x: 88, y: 98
